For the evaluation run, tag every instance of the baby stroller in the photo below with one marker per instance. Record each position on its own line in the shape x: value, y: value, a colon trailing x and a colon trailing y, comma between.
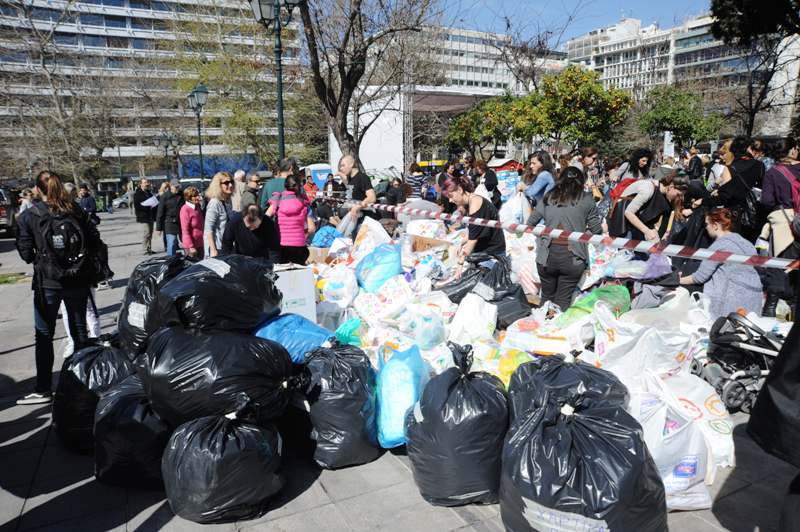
x: 740, y: 355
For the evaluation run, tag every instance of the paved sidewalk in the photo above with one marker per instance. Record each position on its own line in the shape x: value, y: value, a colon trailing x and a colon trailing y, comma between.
x: 45, y: 487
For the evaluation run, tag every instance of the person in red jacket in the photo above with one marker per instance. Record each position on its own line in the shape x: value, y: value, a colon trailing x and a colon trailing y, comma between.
x: 294, y: 222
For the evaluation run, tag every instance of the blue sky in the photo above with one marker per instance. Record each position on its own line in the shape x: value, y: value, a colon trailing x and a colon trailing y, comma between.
x: 489, y: 15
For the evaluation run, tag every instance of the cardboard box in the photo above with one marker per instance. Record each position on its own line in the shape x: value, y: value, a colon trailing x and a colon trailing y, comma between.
x: 317, y: 255
x: 420, y: 243
x: 299, y: 293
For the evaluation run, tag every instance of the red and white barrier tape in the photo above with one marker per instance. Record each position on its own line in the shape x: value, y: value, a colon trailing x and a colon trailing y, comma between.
x: 670, y: 250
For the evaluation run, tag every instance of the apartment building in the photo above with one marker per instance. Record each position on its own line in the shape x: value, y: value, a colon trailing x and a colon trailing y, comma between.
x: 126, y: 50
x: 637, y: 58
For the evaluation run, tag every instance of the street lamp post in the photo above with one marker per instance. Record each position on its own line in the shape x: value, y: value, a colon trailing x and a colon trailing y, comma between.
x: 167, y: 141
x: 268, y: 12
x: 197, y: 99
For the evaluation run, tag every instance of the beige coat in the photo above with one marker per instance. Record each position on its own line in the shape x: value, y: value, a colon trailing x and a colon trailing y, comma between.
x: 778, y: 232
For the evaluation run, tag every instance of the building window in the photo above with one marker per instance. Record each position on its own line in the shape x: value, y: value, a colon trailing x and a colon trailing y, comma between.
x: 114, y: 3
x: 142, y: 44
x: 116, y: 22
x: 114, y: 62
x: 90, y: 19
x: 139, y: 4
x: 141, y: 23
x: 68, y: 39
x: 94, y: 40
x: 117, y: 42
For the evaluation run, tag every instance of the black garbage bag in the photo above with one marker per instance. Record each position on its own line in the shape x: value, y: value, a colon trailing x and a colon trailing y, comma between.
x: 233, y: 292
x: 775, y: 417
x: 138, y: 318
x: 511, y: 307
x: 573, y: 458
x: 496, y: 283
x: 190, y: 374
x: 558, y: 377
x: 457, y: 289
x: 84, y: 377
x: 343, y: 403
x: 220, y: 470
x: 455, y: 435
x: 129, y: 437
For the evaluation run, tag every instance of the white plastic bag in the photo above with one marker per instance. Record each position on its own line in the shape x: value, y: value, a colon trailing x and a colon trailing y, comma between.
x: 394, y: 296
x: 676, y: 443
x: 370, y: 235
x: 347, y: 225
x: 679, y: 310
x: 700, y: 400
x: 475, y: 319
x: 630, y: 350
x: 516, y: 210
x: 427, y: 229
x: 424, y: 325
x: 338, y: 285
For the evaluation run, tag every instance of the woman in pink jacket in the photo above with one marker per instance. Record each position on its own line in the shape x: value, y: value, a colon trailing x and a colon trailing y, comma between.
x: 294, y: 223
x: 192, y: 223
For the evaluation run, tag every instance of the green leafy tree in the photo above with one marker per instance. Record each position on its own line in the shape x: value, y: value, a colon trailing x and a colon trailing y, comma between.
x: 743, y: 21
x: 573, y: 106
x: 682, y: 113
x: 487, y: 123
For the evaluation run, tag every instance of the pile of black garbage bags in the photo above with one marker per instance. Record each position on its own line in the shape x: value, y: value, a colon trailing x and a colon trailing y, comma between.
x: 185, y: 397
x: 493, y: 284
x: 188, y: 399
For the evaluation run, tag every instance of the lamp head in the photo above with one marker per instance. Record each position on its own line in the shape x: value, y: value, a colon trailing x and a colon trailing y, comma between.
x: 201, y: 93
x: 263, y: 10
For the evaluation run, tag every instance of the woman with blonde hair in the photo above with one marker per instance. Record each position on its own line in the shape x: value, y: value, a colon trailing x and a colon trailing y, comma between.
x: 218, y: 212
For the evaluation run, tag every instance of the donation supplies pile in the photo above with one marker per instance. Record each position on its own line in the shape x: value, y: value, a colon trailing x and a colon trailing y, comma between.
x: 595, y: 416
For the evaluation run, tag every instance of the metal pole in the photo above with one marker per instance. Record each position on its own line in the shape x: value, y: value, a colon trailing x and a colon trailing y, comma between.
x: 200, y: 148
x: 166, y: 160
x: 119, y: 163
x: 279, y: 73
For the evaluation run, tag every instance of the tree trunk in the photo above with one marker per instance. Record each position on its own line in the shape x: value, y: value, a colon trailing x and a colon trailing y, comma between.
x: 347, y: 143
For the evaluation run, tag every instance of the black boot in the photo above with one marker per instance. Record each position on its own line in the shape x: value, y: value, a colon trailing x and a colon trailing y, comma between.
x: 770, y: 305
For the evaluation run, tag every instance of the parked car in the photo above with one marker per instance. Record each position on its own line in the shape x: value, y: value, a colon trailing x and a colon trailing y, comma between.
x: 121, y: 202
x: 8, y: 212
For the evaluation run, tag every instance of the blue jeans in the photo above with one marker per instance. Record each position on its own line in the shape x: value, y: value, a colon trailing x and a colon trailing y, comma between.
x: 46, y: 302
x: 171, y: 245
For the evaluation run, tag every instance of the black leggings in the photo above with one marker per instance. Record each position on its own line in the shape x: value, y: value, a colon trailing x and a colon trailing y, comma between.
x: 560, y: 276
x: 294, y: 254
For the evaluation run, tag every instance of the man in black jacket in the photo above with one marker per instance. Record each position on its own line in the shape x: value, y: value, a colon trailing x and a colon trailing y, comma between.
x: 145, y: 216
x: 168, y: 216
x: 251, y: 192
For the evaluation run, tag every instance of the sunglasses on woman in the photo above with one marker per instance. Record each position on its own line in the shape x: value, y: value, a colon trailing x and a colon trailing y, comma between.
x: 226, y: 183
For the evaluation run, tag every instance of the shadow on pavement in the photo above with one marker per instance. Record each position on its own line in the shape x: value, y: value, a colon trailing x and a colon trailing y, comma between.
x: 753, y: 495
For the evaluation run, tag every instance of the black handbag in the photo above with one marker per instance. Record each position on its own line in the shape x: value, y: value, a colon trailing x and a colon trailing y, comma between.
x: 747, y: 213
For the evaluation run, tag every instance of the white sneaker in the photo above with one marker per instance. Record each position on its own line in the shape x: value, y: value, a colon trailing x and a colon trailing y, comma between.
x: 35, y: 398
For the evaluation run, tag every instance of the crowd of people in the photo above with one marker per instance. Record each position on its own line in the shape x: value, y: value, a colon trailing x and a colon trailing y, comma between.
x: 740, y: 199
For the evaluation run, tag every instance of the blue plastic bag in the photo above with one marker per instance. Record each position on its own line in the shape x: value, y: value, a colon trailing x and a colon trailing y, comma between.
x: 325, y: 237
x: 378, y: 267
x: 295, y: 333
x: 400, y: 384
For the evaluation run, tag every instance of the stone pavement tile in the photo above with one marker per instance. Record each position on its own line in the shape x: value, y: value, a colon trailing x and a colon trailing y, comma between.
x: 59, y: 463
x: 495, y: 524
x: 30, y: 433
x: 108, y: 521
x: 326, y: 518
x: 474, y: 513
x: 149, y: 511
x: 725, y: 484
x: 398, y: 507
x: 19, y: 468
x: 56, y: 501
x: 10, y: 412
x: 302, y: 492
x: 690, y: 522
x: 351, y: 481
x: 11, y: 503
x: 751, y: 507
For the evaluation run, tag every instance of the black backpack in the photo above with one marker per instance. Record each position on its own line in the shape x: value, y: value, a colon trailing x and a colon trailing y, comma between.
x: 64, y: 246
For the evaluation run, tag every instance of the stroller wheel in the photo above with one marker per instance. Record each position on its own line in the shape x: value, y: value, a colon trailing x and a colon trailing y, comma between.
x: 696, y: 368
x: 734, y: 395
